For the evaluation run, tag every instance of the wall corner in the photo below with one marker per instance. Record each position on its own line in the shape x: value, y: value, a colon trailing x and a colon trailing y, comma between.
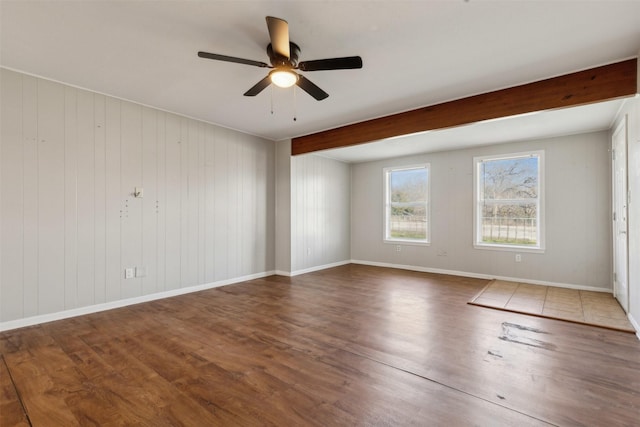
x: 283, y: 205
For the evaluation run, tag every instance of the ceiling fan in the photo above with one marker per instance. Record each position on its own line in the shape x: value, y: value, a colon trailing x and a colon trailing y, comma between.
x: 283, y: 55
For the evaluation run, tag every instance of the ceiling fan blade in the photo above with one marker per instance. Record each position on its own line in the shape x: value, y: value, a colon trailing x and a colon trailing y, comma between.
x: 226, y: 58
x: 258, y: 87
x: 279, y: 34
x: 309, y: 87
x: 346, y: 63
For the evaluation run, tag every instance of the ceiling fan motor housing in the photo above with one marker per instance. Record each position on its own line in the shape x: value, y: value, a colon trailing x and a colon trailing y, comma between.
x: 279, y: 61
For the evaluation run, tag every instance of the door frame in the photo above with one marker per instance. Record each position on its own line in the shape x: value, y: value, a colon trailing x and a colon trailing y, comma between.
x: 622, y: 127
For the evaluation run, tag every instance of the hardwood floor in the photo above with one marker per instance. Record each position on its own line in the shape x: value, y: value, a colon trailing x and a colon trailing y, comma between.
x: 352, y: 345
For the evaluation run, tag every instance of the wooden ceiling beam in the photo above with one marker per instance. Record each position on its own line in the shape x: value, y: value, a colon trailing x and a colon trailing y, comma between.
x: 583, y: 87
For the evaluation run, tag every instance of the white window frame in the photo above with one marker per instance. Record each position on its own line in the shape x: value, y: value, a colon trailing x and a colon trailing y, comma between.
x: 477, y: 210
x: 387, y: 205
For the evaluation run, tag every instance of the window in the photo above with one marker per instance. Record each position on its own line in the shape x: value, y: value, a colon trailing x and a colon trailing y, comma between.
x: 407, y: 204
x: 509, y: 200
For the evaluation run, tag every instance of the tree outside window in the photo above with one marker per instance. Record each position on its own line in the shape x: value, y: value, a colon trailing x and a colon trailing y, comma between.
x: 508, y: 201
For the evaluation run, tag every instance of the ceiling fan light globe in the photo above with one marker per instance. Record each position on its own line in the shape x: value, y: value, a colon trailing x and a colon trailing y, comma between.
x: 283, y: 78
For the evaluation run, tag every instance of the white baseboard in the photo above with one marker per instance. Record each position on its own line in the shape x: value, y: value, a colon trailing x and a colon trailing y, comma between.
x: 635, y: 324
x: 480, y: 275
x: 50, y: 317
x: 317, y: 268
x: 282, y: 273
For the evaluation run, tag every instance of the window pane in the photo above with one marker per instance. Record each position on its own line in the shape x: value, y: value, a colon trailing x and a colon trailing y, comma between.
x: 407, y: 198
x: 508, y: 203
x: 408, y: 185
x: 510, y: 179
x: 408, y: 226
x: 513, y: 224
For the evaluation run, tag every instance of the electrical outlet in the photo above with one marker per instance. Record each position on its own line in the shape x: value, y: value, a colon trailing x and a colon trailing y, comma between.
x: 398, y: 248
x: 518, y: 258
x: 128, y: 273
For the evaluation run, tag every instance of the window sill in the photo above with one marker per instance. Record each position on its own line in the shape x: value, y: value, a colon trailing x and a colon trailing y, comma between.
x: 406, y: 242
x: 509, y: 248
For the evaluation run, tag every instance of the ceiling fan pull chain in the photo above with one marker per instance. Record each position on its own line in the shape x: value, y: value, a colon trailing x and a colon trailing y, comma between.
x: 295, y: 106
x: 271, y: 100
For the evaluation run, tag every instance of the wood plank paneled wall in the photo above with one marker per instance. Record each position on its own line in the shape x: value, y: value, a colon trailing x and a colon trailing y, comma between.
x: 70, y: 160
x: 320, y: 212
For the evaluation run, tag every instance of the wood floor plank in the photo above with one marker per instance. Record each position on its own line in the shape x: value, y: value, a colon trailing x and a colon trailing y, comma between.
x: 351, y: 345
x: 43, y: 399
x: 11, y: 411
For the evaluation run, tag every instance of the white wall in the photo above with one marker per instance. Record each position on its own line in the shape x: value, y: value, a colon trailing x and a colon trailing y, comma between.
x: 578, y: 235
x: 320, y: 212
x: 632, y: 111
x: 69, y: 225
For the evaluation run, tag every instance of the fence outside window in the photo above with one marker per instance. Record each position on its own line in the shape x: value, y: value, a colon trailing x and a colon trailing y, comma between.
x: 408, y: 226
x: 521, y: 231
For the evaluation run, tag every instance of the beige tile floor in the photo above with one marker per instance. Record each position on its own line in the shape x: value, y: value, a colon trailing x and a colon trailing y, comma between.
x: 593, y: 308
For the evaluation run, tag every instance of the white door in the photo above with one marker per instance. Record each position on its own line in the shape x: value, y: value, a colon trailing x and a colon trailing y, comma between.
x: 620, y: 255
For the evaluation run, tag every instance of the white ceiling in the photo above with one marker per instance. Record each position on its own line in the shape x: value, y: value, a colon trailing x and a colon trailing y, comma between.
x: 415, y: 53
